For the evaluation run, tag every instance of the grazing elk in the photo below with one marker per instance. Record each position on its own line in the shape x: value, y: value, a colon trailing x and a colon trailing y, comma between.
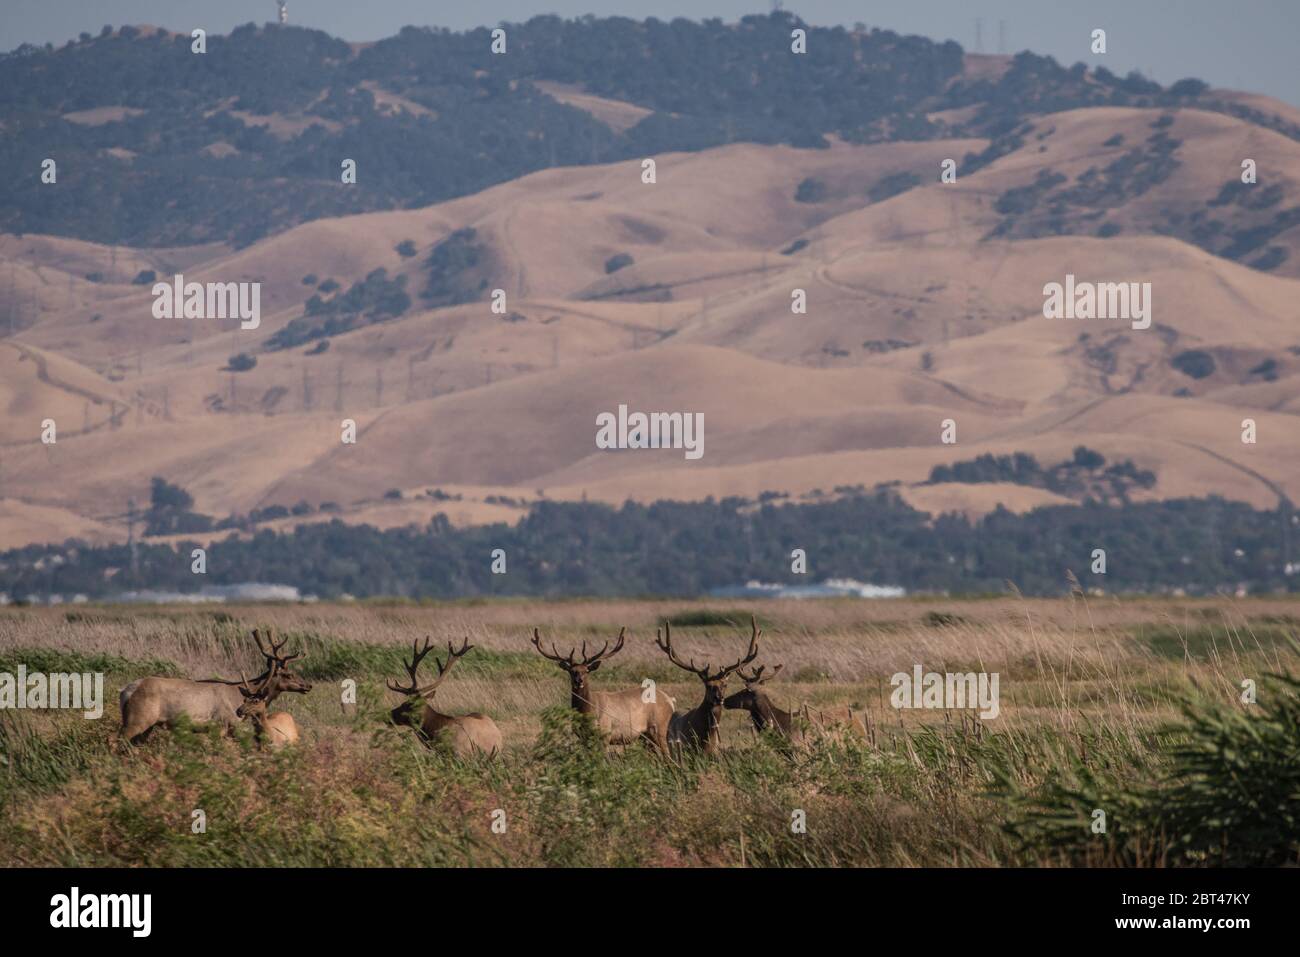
x: 466, y: 734
x: 148, y: 702
x: 698, y: 728
x: 271, y: 729
x: 621, y: 716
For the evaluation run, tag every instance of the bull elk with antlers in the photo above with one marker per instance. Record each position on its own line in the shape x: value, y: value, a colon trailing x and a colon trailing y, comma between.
x: 466, y: 734
x: 698, y: 728
x: 149, y: 702
x: 621, y: 716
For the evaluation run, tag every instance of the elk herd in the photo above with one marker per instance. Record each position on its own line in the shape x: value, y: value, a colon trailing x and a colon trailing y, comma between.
x: 621, y: 717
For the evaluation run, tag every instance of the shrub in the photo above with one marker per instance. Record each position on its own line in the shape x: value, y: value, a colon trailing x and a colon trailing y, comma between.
x: 810, y: 190
x: 240, y: 363
x: 1087, y: 458
x: 1226, y: 798
x: 1194, y: 363
x: 617, y: 262
x: 1188, y: 87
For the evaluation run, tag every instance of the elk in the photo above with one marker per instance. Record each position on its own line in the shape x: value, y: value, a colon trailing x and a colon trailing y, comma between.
x: 797, y: 726
x: 698, y: 728
x: 273, y: 730
x: 467, y: 734
x: 759, y: 704
x: 621, y: 716
x: 148, y: 702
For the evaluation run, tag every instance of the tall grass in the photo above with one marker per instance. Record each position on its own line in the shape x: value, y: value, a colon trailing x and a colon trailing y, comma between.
x: 1098, y: 712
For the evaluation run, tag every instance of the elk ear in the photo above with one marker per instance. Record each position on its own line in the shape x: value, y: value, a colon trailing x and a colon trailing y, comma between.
x: 594, y: 665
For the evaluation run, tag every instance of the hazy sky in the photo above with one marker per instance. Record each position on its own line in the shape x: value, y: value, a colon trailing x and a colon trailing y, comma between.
x: 1242, y: 44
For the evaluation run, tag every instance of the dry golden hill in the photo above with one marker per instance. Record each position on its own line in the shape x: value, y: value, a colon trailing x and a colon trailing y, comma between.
x: 924, y: 303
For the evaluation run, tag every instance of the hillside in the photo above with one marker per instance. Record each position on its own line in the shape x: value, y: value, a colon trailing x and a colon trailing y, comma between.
x: 924, y: 299
x: 246, y: 139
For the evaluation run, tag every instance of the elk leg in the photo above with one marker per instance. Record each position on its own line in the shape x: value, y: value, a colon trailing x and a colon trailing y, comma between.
x: 658, y: 741
x: 136, y: 736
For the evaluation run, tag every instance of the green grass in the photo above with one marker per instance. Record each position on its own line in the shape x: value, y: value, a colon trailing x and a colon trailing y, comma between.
x: 736, y: 618
x: 1187, y: 775
x: 1204, y: 641
x: 54, y: 661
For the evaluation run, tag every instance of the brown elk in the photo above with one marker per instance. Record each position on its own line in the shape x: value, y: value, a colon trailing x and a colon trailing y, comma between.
x: 798, y: 726
x: 759, y: 704
x: 148, y: 702
x: 466, y: 734
x: 698, y: 728
x: 621, y: 716
x: 272, y: 729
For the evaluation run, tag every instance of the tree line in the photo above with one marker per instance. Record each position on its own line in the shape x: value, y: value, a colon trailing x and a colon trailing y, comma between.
x: 691, y: 548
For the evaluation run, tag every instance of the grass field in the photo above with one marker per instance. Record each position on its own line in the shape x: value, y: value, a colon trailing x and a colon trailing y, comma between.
x: 1128, y: 707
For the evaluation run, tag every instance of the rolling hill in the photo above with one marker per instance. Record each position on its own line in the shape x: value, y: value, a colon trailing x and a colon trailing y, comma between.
x: 924, y: 304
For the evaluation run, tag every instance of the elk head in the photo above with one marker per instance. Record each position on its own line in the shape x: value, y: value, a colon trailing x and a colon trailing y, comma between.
x: 255, y: 698
x: 748, y: 699
x: 277, y: 677
x: 277, y: 666
x: 579, y: 668
x: 411, y: 711
x: 715, y: 682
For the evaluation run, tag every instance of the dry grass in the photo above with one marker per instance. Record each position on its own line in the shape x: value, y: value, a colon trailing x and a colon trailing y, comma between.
x: 1081, y: 679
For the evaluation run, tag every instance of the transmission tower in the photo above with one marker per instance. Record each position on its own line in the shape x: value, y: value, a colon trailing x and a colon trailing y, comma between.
x: 130, y: 536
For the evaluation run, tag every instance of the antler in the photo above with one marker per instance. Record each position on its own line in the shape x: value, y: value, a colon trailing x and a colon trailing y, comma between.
x: 750, y: 655
x: 274, y: 654
x: 665, y: 642
x: 418, y: 655
x: 570, y: 661
x: 605, y: 651
x: 756, y: 677
x: 553, y: 654
x: 260, y: 691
